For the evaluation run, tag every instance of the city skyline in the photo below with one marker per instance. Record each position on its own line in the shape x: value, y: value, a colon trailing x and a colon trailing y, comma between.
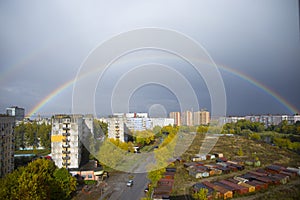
x: 257, y: 56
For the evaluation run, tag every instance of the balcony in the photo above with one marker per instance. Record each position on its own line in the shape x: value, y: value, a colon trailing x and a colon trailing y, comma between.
x: 66, y: 152
x: 65, y: 164
x: 66, y: 146
x: 66, y: 128
x: 66, y: 157
x: 65, y: 140
x: 66, y: 134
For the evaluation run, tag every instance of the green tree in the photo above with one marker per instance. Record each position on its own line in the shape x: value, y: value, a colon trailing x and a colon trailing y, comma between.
x: 144, y: 137
x: 20, y: 135
x: 254, y: 136
x: 100, y: 128
x: 155, y: 176
x: 43, y: 133
x: 41, y: 179
x: 202, y: 129
x: 201, y: 194
x: 64, y: 184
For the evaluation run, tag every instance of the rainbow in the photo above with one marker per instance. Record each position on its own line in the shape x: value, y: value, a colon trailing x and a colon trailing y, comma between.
x: 241, y: 75
x: 266, y: 89
x: 49, y: 97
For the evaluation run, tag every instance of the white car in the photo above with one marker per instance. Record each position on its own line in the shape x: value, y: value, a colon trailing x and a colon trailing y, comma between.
x: 129, y: 183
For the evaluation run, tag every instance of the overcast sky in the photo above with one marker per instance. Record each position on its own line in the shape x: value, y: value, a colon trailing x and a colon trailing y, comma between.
x: 44, y: 43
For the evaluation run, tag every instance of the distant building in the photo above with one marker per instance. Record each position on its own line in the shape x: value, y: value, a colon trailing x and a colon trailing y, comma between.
x: 66, y: 147
x: 296, y: 118
x: 187, y: 118
x: 234, y: 119
x: 7, y: 146
x: 138, y: 124
x: 161, y: 122
x: 177, y: 118
x: 116, y: 128
x: 136, y: 115
x: 121, y: 126
x: 15, y: 111
x: 201, y: 118
x: 269, y: 120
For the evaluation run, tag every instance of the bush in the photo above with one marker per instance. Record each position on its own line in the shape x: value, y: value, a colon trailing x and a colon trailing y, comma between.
x: 90, y: 182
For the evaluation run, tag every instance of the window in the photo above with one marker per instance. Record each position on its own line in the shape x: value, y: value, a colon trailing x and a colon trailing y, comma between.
x: 90, y: 176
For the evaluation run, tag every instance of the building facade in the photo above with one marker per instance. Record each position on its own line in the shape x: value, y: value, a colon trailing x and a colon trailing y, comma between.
x: 161, y: 122
x: 7, y: 146
x: 177, y: 118
x: 187, y: 118
x: 201, y: 118
x: 15, y: 111
x: 116, y: 128
x: 67, y: 130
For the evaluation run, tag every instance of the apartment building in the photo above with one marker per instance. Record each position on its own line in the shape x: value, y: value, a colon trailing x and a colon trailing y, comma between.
x: 7, y: 145
x: 201, y: 118
x: 15, y: 111
x: 187, y: 118
x: 66, y: 146
x: 177, y: 118
x: 116, y: 128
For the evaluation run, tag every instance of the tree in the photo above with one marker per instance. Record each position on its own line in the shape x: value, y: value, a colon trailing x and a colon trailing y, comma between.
x: 254, y: 136
x: 144, y: 137
x: 100, y: 128
x: 155, y: 176
x: 19, y: 136
x: 43, y: 133
x: 202, y: 129
x: 30, y: 134
x: 41, y: 179
x: 65, y: 184
x: 201, y: 194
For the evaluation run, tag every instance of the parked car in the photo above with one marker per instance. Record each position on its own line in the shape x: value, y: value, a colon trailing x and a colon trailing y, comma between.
x: 129, y: 183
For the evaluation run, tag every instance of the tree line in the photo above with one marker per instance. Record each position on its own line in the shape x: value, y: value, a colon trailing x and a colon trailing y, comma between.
x: 284, y: 135
x: 245, y: 125
x: 32, y: 134
x: 40, y: 179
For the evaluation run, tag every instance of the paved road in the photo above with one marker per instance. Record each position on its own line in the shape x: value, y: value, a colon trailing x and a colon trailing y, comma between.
x: 117, y: 188
x: 136, y: 191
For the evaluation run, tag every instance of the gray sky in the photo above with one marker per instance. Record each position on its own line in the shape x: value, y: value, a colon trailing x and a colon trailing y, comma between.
x: 44, y: 43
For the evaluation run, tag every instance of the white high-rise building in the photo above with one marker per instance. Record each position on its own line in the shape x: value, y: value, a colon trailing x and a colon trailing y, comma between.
x: 66, y: 147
